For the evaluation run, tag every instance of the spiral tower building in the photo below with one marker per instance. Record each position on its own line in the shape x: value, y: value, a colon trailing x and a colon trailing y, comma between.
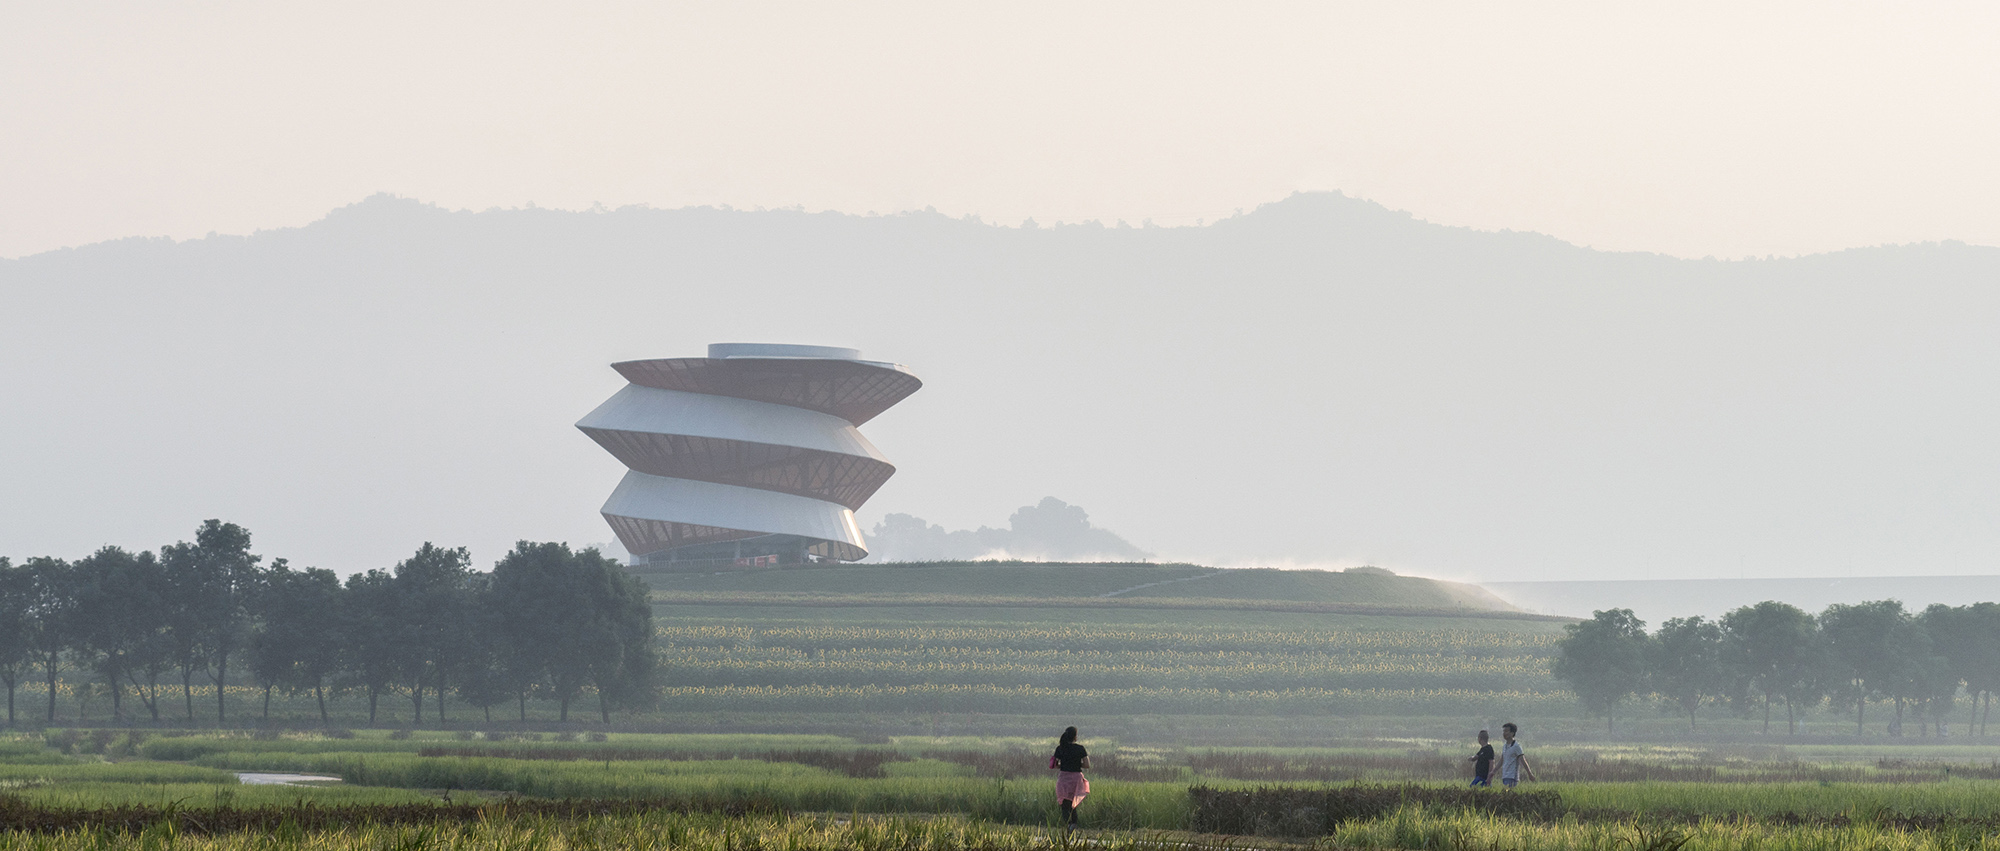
x: 750, y: 454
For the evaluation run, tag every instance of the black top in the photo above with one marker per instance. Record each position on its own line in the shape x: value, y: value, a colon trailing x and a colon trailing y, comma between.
x: 1482, y: 762
x: 1069, y: 757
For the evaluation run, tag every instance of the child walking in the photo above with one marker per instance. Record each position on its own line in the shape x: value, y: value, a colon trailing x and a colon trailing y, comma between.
x: 1482, y: 763
x: 1071, y: 786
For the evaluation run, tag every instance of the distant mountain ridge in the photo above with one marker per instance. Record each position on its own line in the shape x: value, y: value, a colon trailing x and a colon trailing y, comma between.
x: 1320, y: 380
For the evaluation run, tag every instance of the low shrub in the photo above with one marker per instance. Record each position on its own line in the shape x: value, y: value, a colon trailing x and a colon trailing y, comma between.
x: 64, y: 739
x: 1287, y: 811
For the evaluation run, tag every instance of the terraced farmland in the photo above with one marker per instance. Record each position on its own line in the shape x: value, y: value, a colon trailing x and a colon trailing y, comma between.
x: 1096, y: 639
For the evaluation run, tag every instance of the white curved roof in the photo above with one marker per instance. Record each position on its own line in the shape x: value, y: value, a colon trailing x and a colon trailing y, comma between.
x: 854, y: 390
x: 781, y: 350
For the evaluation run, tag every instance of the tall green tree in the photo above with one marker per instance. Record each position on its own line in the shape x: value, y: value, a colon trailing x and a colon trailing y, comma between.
x: 434, y: 593
x: 1687, y: 667
x: 187, y: 633
x: 513, y: 624
x: 1603, y: 660
x: 488, y: 679
x: 619, y: 652
x: 1878, y: 651
x: 491, y: 674
x: 1972, y: 644
x: 545, y: 616
x: 572, y: 620
x: 210, y: 585
x: 1774, y: 648
x: 16, y: 601
x: 1934, y: 680
x: 121, y: 624
x: 51, y: 623
x: 300, y: 633
x: 373, y: 627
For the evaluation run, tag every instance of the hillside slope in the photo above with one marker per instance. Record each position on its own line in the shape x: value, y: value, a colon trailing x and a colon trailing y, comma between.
x: 1108, y: 645
x: 1077, y: 586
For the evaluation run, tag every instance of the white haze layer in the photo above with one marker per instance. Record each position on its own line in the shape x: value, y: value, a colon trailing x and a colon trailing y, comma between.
x: 1692, y: 128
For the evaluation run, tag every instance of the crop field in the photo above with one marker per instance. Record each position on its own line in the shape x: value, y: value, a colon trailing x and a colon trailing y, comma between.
x: 714, y: 668
x: 811, y: 791
x: 1030, y: 669
x: 755, y: 791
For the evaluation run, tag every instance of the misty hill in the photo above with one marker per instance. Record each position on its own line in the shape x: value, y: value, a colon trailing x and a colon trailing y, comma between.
x: 1064, y: 591
x: 1320, y: 380
x: 1048, y: 530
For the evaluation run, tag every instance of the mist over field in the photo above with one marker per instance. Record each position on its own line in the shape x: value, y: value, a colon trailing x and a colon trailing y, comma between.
x: 1320, y: 381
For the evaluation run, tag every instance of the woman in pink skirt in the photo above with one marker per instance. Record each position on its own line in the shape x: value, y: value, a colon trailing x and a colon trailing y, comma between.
x: 1071, y: 786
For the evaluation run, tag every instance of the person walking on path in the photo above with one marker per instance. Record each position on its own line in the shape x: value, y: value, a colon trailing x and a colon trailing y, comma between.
x: 1482, y: 763
x: 1071, y: 786
x: 1513, y: 761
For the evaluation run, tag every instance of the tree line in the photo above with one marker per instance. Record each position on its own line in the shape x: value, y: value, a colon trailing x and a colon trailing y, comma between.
x: 546, y: 622
x: 1774, y: 654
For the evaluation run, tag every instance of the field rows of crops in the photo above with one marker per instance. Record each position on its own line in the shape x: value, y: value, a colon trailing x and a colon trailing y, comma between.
x: 1126, y: 701
x: 1083, y: 637
x: 966, y: 666
x: 1106, y: 670
x: 821, y: 599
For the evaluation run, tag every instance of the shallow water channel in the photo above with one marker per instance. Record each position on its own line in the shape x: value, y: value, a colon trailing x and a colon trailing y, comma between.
x: 266, y: 778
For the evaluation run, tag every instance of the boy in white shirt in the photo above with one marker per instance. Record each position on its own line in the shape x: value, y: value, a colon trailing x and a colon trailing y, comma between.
x: 1513, y: 762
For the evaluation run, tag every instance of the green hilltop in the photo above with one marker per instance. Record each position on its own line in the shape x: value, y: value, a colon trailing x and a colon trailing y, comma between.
x: 1046, y: 591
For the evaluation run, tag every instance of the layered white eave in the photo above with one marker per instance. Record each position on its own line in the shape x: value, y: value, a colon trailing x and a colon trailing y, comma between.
x: 646, y: 497
x: 656, y: 411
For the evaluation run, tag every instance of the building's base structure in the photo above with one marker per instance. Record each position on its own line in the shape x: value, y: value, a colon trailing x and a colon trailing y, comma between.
x: 761, y: 551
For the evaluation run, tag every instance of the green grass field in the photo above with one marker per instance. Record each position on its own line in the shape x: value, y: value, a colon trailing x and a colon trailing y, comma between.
x: 984, y: 792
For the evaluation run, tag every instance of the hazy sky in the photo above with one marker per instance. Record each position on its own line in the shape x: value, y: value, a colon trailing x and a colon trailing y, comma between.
x: 1688, y: 128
